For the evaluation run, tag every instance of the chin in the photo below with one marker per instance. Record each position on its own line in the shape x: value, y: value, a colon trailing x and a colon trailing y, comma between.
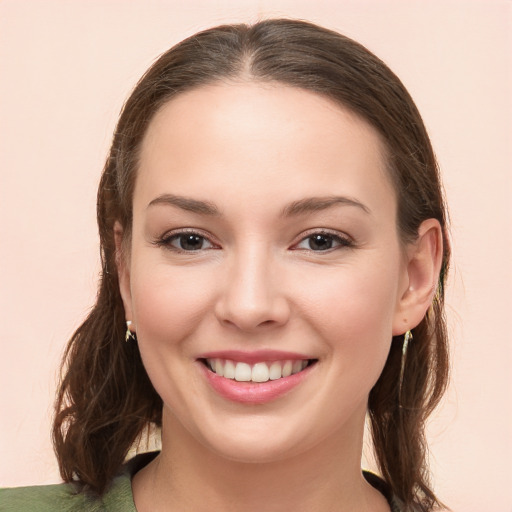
x: 253, y: 441
x: 257, y: 452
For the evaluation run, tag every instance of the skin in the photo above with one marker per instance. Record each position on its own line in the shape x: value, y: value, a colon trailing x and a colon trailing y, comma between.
x: 251, y: 151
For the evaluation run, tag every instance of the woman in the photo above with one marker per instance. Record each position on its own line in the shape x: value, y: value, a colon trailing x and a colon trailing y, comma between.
x: 274, y: 252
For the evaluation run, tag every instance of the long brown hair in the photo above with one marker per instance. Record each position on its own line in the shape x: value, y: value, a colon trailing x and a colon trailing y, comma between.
x: 105, y: 398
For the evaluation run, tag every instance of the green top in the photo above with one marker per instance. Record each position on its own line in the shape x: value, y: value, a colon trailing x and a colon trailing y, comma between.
x: 65, y: 498
x: 119, y: 497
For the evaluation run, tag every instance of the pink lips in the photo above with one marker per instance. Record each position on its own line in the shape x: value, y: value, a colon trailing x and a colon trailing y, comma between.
x: 254, y: 357
x: 253, y: 392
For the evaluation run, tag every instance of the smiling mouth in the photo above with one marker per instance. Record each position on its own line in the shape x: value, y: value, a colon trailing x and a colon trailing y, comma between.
x: 258, y: 372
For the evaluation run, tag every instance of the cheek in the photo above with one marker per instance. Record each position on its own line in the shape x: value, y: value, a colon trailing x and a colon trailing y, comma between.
x: 169, y: 302
x: 352, y: 310
x: 353, y: 299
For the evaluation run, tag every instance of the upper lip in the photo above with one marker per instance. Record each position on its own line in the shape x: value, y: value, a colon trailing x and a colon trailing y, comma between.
x: 252, y: 357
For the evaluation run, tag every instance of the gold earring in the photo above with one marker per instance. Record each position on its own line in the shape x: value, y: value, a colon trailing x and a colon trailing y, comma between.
x: 129, y: 334
x: 407, y: 339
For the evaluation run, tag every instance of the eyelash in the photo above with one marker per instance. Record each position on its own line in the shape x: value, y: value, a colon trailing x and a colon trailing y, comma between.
x: 334, y: 237
x: 338, y: 238
x: 168, y: 238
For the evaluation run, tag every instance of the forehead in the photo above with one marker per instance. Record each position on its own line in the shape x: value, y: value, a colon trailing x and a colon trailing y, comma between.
x: 260, y: 135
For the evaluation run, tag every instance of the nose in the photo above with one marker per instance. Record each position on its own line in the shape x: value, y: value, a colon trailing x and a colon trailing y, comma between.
x: 252, y: 295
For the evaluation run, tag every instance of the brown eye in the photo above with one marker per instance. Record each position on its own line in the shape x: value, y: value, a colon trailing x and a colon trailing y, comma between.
x: 319, y: 242
x: 188, y: 242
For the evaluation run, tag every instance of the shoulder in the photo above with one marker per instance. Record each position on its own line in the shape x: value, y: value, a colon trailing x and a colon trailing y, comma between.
x: 378, y: 483
x: 67, y: 497
x: 46, y: 498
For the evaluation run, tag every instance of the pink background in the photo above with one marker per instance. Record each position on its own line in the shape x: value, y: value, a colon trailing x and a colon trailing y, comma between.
x: 65, y: 70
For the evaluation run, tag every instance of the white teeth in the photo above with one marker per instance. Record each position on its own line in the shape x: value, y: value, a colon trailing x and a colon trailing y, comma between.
x: 218, y: 367
x: 229, y: 370
x: 243, y: 372
x: 287, y: 368
x: 296, y: 366
x: 259, y: 372
x: 275, y: 371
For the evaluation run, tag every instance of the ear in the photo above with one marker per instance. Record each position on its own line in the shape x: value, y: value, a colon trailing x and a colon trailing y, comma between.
x: 422, y: 268
x: 123, y: 271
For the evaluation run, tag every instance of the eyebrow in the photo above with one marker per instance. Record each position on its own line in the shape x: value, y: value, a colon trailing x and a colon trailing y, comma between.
x: 187, y: 203
x: 300, y: 207
x: 315, y: 204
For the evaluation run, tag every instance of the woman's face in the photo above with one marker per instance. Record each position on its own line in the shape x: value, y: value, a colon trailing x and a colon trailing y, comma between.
x: 264, y: 242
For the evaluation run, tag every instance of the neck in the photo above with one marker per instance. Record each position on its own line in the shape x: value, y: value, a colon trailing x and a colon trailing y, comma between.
x: 188, y: 477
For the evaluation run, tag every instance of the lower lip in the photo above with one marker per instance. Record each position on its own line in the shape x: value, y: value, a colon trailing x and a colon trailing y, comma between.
x: 254, y: 392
